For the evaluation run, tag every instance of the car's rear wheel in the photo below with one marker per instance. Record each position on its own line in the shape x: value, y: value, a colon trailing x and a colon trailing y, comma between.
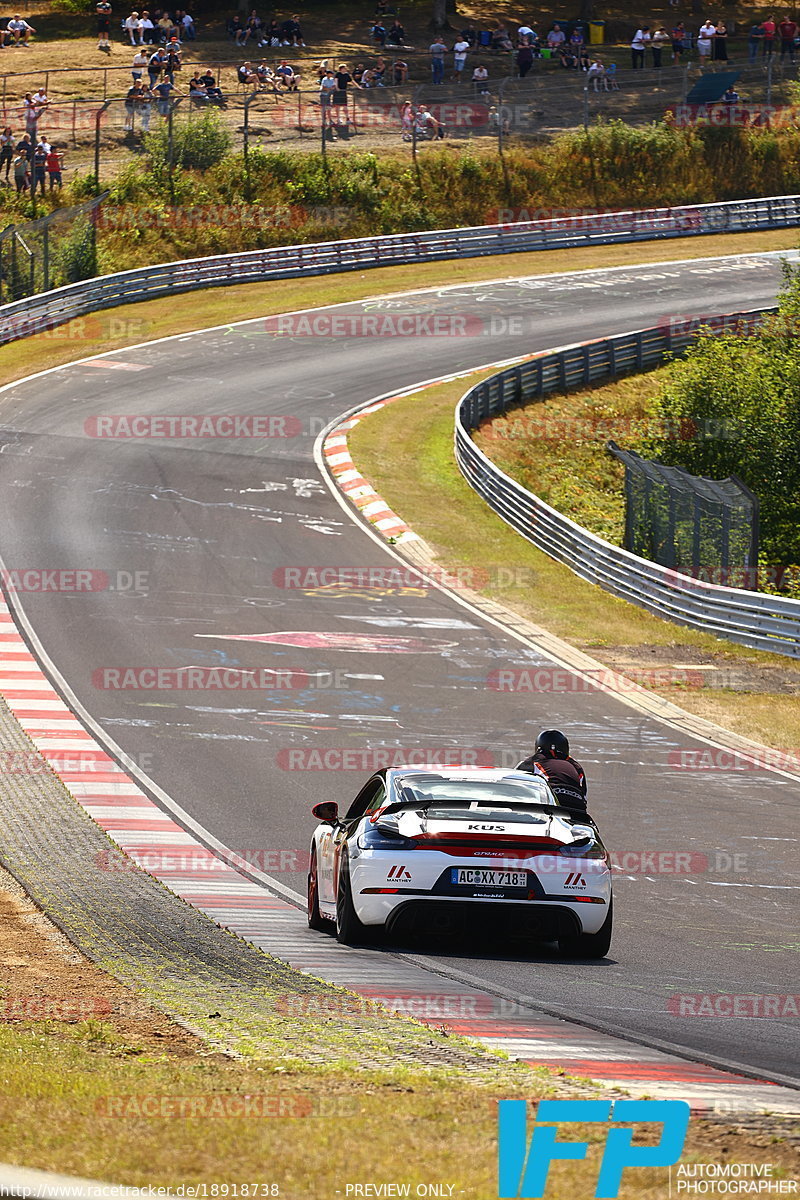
x: 349, y: 928
x: 315, y: 917
x: 589, y: 945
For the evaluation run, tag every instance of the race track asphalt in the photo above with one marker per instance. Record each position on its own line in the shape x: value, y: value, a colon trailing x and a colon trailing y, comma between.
x: 213, y: 525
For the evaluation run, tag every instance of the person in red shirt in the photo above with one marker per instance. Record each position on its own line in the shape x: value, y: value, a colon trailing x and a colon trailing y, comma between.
x: 787, y: 31
x: 769, y: 36
x: 53, y: 167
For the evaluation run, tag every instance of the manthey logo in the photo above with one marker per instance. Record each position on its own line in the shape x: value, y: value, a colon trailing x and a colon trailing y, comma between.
x: 399, y: 874
x: 575, y: 880
x: 524, y: 1165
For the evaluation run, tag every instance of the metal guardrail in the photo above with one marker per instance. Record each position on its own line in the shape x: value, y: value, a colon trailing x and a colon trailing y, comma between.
x: 36, y: 313
x: 755, y: 619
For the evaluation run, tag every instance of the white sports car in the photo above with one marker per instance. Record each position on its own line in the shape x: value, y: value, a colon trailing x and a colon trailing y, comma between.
x: 435, y: 849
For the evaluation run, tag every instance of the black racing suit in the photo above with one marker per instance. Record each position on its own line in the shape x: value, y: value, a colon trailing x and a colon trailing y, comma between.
x: 565, y: 776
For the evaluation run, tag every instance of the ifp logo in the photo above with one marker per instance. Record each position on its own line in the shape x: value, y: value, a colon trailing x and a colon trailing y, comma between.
x: 523, y: 1168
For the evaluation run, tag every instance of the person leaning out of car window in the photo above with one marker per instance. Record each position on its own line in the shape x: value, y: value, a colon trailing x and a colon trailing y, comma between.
x: 565, y: 776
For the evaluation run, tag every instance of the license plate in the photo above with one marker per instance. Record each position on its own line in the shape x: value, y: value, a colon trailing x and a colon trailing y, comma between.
x: 478, y: 877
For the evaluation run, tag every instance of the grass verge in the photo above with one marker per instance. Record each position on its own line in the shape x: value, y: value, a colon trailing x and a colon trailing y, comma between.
x: 747, y: 691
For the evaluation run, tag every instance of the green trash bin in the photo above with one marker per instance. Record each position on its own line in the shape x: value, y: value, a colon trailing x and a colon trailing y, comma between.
x: 596, y: 32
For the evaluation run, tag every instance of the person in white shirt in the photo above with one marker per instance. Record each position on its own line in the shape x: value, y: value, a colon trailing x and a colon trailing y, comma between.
x: 641, y: 40
x: 20, y: 31
x: 480, y: 77
x: 597, y: 73
x: 139, y: 65
x: 460, y: 50
x: 705, y: 40
x: 525, y: 31
x: 188, y: 30
x: 133, y: 29
x: 146, y: 28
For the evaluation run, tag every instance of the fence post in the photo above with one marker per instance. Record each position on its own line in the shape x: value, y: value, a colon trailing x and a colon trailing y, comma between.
x: 170, y: 150
x: 105, y: 83
x: 46, y: 256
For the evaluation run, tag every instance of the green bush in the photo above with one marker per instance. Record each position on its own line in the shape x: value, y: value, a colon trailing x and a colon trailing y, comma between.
x: 735, y: 404
x: 197, y: 144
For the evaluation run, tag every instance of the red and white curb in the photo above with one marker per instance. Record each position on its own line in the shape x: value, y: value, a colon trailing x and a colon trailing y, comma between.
x: 151, y: 838
x: 361, y: 493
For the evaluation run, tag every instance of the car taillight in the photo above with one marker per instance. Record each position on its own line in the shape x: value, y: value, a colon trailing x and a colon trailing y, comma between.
x: 585, y: 848
x: 380, y: 839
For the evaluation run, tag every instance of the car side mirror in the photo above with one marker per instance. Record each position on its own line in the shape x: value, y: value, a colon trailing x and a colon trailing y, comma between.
x: 327, y: 812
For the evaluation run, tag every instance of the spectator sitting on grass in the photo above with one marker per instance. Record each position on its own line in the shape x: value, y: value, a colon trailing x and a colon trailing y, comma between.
x: 396, y: 35
x: 568, y: 58
x: 131, y: 27
x: 378, y: 34
x: 291, y: 33
x: 147, y: 28
x: 368, y: 80
x: 20, y: 30
x: 730, y: 96
x: 271, y: 34
x: 252, y: 28
x: 234, y: 28
x: 399, y: 72
x: 379, y: 71
x: 165, y: 28
x: 288, y: 79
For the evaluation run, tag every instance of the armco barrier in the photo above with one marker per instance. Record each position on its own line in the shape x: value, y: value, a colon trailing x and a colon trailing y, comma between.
x: 754, y: 619
x: 35, y: 313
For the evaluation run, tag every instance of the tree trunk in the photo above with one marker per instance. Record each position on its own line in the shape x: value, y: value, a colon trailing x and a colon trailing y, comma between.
x: 439, y: 21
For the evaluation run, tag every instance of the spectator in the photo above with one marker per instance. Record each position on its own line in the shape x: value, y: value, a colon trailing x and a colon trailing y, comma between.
x: 39, y: 168
x: 721, y: 42
x: 407, y: 120
x: 497, y: 123
x: 399, y: 72
x: 438, y: 51
x: 147, y: 28
x: 103, y: 11
x: 480, y: 80
x: 173, y: 59
x: 339, y: 115
x: 730, y: 96
x: 678, y: 47
x: 139, y: 65
x: 568, y: 58
x: 426, y: 124
x: 379, y: 71
x: 130, y: 103
x: 584, y: 59
x: 287, y: 77
x: 368, y: 80
x: 163, y: 93
x: 525, y: 32
x: 705, y: 41
x: 20, y: 30
x: 556, y: 38
x: 641, y: 40
x: 6, y: 151
x: 460, y: 51
x: 576, y: 39
x: 500, y: 38
x: 213, y: 91
x: 22, y: 177
x: 246, y: 75
x: 291, y: 33
x: 379, y: 34
x: 768, y: 28
x: 187, y: 26
x: 252, y: 28
x: 524, y: 59
x: 197, y: 91
x: 358, y: 72
x: 164, y: 28
x: 40, y: 99
x: 266, y: 78
x: 131, y: 27
x: 24, y: 146
x: 397, y: 35
x: 236, y: 29
x: 272, y: 34
x: 32, y: 112
x: 754, y: 40
x: 788, y: 32
x: 155, y: 66
x: 597, y: 75
x: 659, y: 41
x: 327, y: 86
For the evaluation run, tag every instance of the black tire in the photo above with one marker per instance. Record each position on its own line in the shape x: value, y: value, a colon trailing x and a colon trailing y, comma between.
x: 315, y: 917
x: 349, y: 929
x: 589, y: 945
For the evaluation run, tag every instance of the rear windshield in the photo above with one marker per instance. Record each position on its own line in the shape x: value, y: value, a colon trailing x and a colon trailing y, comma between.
x: 491, y: 797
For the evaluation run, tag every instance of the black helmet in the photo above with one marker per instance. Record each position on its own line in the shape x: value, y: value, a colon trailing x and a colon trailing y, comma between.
x: 553, y: 743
